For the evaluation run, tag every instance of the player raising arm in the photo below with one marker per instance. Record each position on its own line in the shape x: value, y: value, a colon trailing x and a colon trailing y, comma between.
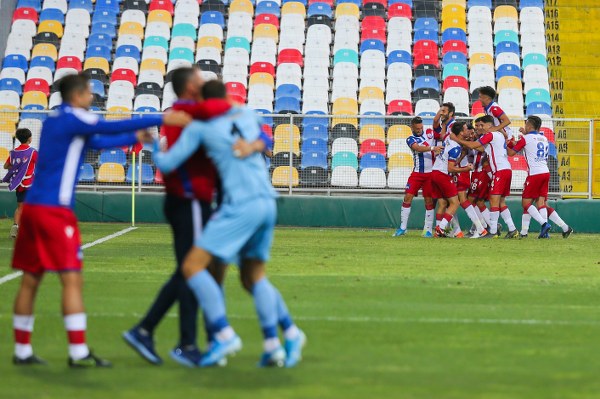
x: 501, y: 121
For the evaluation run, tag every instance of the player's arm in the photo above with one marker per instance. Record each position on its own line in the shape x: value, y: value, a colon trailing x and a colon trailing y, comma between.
x: 513, y: 148
x: 185, y: 146
x: 89, y: 124
x: 478, y: 145
x: 454, y: 168
x: 502, y: 117
x: 205, y: 110
x: 437, y: 120
x: 101, y: 141
x: 243, y: 148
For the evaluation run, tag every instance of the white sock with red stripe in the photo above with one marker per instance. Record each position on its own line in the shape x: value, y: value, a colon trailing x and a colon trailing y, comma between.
x: 23, y: 327
x: 507, y: 217
x: 438, y: 219
x: 455, y: 226
x: 553, y: 216
x: 446, y: 218
x: 494, y: 216
x: 544, y: 213
x: 532, y: 210
x: 76, y: 324
x: 525, y: 220
x: 429, y: 216
x: 485, y: 213
x: 480, y: 216
x: 404, y: 215
x: 468, y: 207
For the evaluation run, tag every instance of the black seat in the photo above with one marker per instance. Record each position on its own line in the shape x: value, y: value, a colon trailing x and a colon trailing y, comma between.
x: 47, y: 37
x: 427, y: 70
x: 319, y: 19
x: 374, y: 10
x: 149, y: 88
x: 344, y: 130
x: 136, y: 5
x: 426, y: 94
x: 283, y: 159
x: 96, y: 73
x: 209, y: 66
x: 213, y: 5
x: 314, y: 176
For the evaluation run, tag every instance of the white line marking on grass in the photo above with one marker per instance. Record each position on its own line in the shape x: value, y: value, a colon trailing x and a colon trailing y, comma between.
x: 12, y: 276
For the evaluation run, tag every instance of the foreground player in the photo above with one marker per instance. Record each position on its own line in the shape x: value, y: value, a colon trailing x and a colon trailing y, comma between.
x: 442, y: 122
x: 479, y: 192
x: 420, y: 178
x: 21, y: 168
x: 501, y: 121
x: 535, y: 147
x: 49, y: 239
x: 241, y: 229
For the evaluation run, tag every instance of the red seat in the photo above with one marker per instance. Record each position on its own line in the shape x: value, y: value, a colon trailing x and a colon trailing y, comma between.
x: 69, y: 62
x: 400, y: 10
x: 477, y: 108
x: 382, y: 2
x: 25, y: 13
x: 372, y: 145
x: 236, y: 89
x: 426, y: 52
x: 373, y: 22
x: 267, y: 19
x: 234, y: 98
x: 290, y: 56
x: 264, y: 67
x: 400, y: 106
x: 518, y: 162
x: 165, y: 5
x: 124, y: 74
x: 373, y: 34
x: 328, y: 2
x: 549, y: 134
x: 37, y: 85
x: 454, y: 45
x: 455, y: 81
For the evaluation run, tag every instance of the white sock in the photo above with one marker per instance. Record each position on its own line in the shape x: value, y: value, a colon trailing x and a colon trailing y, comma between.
x: 494, y: 216
x: 270, y: 344
x: 558, y: 221
x: 76, y: 324
x: 23, y: 323
x: 486, y: 215
x: 437, y: 222
x: 225, y: 334
x: 480, y: 216
x: 404, y: 215
x: 474, y: 218
x: 429, y: 217
x: 544, y: 213
x: 455, y: 226
x: 443, y: 223
x: 525, y: 220
x: 533, y: 211
x: 291, y: 333
x: 506, y: 216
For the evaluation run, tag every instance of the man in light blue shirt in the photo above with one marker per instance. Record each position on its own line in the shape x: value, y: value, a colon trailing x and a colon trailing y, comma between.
x: 241, y: 229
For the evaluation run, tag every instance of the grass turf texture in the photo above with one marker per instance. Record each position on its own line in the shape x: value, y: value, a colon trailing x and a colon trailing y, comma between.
x: 385, y: 317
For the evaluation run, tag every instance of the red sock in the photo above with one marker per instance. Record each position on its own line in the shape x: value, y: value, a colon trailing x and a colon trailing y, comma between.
x: 429, y: 207
x: 465, y: 204
x: 481, y: 207
x: 550, y: 210
x: 405, y: 205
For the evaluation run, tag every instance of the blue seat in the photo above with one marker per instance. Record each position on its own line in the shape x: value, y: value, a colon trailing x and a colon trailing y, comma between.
x: 539, y: 107
x: 97, y: 87
x: 99, y: 40
x: 372, y: 160
x: 508, y: 47
x: 372, y: 45
x: 508, y: 70
x: 213, y: 17
x: 287, y: 105
x: 315, y: 131
x: 15, y: 61
x: 552, y: 150
x: 35, y: 4
x: 94, y: 108
x: 268, y: 7
x: 116, y: 155
x: 537, y: 96
x: 98, y: 51
x: 407, y: 2
x: 267, y: 120
x: 287, y: 90
x: 480, y: 3
x: 426, y: 82
x: 128, y: 51
x: 400, y: 56
x: 303, y: 2
x: 454, y: 34
x: 86, y: 173
x: 314, y: 118
x: 105, y: 16
x: 42, y: 61
x: 52, y: 14
x: 111, y: 5
x: 454, y: 57
x: 372, y: 121
x: 147, y: 174
x: 426, y: 24
x: 319, y: 9
x: 145, y: 110
x: 426, y: 34
x: 531, y: 3
x: 314, y: 158
x: 83, y: 4
x: 104, y: 28
x: 427, y: 117
x: 34, y: 115
x: 12, y: 85
x: 314, y: 145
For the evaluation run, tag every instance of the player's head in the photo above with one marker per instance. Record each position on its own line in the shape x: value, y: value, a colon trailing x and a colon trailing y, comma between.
x: 533, y: 124
x: 487, y: 122
x: 471, y: 131
x: 447, y: 111
x: 214, y: 89
x: 479, y: 126
x: 487, y: 95
x: 416, y: 125
x: 23, y: 135
x: 187, y: 83
x: 75, y: 90
x: 460, y: 129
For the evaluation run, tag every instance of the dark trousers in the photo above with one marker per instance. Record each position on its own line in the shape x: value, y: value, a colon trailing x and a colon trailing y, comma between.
x: 186, y: 217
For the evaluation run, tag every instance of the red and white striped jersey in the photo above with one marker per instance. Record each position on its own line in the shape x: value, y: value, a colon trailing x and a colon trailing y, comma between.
x: 495, y: 148
x: 535, y: 148
x: 495, y: 111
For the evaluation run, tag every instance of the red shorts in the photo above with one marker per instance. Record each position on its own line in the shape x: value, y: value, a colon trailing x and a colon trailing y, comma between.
x: 48, y: 240
x: 442, y: 185
x: 480, y: 185
x: 536, y: 186
x: 501, y: 183
x: 463, y: 181
x: 418, y: 181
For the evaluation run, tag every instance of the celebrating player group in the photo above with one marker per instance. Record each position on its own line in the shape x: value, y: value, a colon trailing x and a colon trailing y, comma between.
x: 460, y: 164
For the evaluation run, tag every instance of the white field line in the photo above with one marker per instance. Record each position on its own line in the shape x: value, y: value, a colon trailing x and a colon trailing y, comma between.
x: 12, y: 276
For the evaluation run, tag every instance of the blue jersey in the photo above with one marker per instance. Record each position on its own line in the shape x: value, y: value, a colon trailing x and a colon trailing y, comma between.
x: 66, y: 135
x: 423, y: 161
x: 241, y: 179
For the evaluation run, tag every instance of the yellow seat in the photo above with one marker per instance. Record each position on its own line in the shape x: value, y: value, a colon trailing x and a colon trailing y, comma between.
x: 350, y: 121
x: 400, y: 160
x: 345, y: 106
x: 210, y: 41
x: 7, y: 126
x: 44, y: 50
x: 509, y: 82
x: 459, y: 23
x: 160, y: 16
x: 479, y: 115
x: 34, y: 97
x: 516, y: 124
x: 286, y: 145
x: 132, y: 28
x: 261, y: 78
x: 153, y: 64
x: 111, y: 173
x: 10, y: 114
x: 370, y: 93
x: 293, y: 7
x: 462, y: 3
x: 51, y: 26
x: 266, y: 31
x: 3, y: 154
x: 481, y: 59
x: 97, y: 62
x: 372, y: 132
x: 241, y: 6
x: 453, y: 11
x: 118, y: 113
x: 347, y: 9
x: 506, y: 12
x: 283, y: 132
x: 281, y: 176
x: 396, y: 132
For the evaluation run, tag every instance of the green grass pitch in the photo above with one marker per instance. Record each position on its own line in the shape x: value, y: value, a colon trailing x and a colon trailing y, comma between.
x: 385, y: 318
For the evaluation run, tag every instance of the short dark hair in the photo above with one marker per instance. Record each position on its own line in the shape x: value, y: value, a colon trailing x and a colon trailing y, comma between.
x: 180, y: 79
x: 214, y: 89
x: 470, y: 126
x: 487, y: 119
x: 488, y: 91
x: 23, y: 135
x: 536, y: 121
x: 71, y: 84
x: 450, y: 107
x: 457, y: 127
x: 478, y: 119
x: 416, y: 120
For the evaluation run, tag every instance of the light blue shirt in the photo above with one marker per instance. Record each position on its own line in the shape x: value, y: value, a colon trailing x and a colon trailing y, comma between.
x: 242, y: 179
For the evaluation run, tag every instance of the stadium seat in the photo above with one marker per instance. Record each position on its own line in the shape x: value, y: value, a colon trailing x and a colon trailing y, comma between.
x: 537, y: 95
x: 344, y: 176
x: 86, y: 173
x: 314, y: 159
x: 315, y: 131
x: 372, y: 178
x: 284, y: 176
x: 111, y: 173
x: 398, y: 177
x: 147, y: 174
x: 374, y: 146
x: 400, y: 160
x: 539, y: 108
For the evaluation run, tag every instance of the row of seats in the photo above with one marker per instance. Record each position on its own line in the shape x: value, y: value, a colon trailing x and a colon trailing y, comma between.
x: 110, y: 172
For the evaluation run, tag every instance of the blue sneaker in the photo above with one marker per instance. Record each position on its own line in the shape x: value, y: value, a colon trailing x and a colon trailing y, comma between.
x: 142, y: 344
x: 293, y: 348
x: 545, y: 230
x: 186, y: 357
x: 399, y: 232
x: 427, y: 234
x: 273, y: 359
x: 220, y: 350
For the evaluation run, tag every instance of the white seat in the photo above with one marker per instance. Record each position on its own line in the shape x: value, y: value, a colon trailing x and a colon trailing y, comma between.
x: 169, y: 96
x: 261, y: 104
x: 78, y: 30
x: 187, y: 7
x: 151, y: 76
x: 479, y: 13
x: 289, y: 74
x: 126, y: 63
x: 176, y: 64
x: 398, y: 90
x: 291, y: 20
x: 137, y: 16
x: 344, y: 88
x: 316, y: 53
x: 347, y: 34
x: 372, y: 81
x: 62, y: 72
x: 155, y: 52
x: 536, y: 83
x: 373, y: 57
x: 319, y: 32
x: 23, y: 39
x: 237, y: 55
x: 9, y: 97
x: 241, y: 78
x: 535, y: 72
x: 146, y: 100
x: 240, y: 25
x: 119, y: 100
x: 74, y: 39
x: 518, y: 179
x: 399, y: 69
x: 506, y: 24
x: 399, y: 40
x: 511, y: 101
x: 161, y: 29
x: 185, y: 18
x: 344, y: 176
x: 129, y: 40
x: 78, y: 16
x: 372, y: 178
x: 398, y: 177
x: 372, y: 105
x: 72, y: 50
x: 480, y: 27
x: 398, y: 146
x: 209, y: 75
x: 259, y: 93
x: 477, y: 47
x: 18, y: 48
x: 60, y: 4
x: 532, y: 29
x: 399, y: 24
x: 316, y: 84
x: 459, y: 97
x: 121, y: 87
x: 532, y: 14
x: 263, y: 54
x: 210, y: 30
x: 55, y: 100
x: 315, y: 104
x: 345, y: 43
x: 19, y: 74
x: 209, y: 53
x: 531, y: 39
x: 182, y: 42
x: 345, y: 70
x: 426, y: 106
x: 294, y: 41
x: 481, y: 71
x: 344, y: 144
x: 507, y: 59
x: 41, y: 73
x: 25, y: 26
x: 533, y: 48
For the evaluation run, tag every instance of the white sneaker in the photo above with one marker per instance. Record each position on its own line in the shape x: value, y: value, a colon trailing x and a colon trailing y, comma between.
x: 14, y: 230
x: 478, y: 235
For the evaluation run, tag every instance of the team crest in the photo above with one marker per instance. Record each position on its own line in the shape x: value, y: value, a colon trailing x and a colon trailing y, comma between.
x: 69, y: 231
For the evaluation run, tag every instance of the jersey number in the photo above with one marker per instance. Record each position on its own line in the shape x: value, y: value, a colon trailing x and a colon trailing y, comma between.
x: 542, y: 151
